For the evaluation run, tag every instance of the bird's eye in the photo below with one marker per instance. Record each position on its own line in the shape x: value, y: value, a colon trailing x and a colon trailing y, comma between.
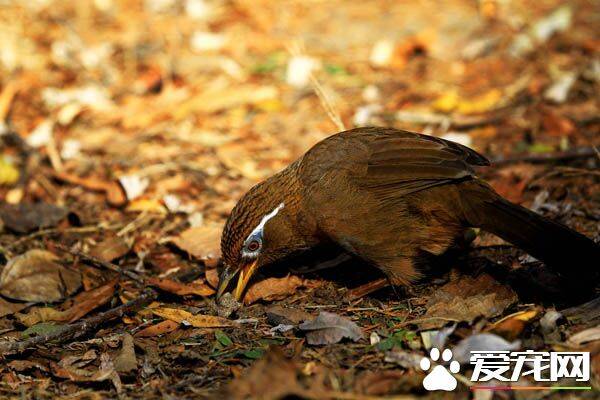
x: 253, y: 245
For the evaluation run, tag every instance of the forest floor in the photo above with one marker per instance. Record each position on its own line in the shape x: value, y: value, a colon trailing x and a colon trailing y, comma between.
x: 129, y: 130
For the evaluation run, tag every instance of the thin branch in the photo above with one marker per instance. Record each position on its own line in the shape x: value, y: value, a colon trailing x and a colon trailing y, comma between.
x: 81, y: 328
x: 574, y: 154
x: 333, y: 114
x: 104, y: 264
x: 296, y: 49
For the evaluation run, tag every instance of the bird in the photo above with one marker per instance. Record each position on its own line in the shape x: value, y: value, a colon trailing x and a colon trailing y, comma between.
x: 392, y: 198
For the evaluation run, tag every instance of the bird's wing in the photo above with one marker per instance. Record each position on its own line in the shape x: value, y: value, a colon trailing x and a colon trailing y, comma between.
x: 390, y: 163
x: 400, y: 163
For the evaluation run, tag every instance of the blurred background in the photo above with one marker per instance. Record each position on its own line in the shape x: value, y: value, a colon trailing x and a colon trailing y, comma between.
x: 129, y: 129
x: 199, y: 99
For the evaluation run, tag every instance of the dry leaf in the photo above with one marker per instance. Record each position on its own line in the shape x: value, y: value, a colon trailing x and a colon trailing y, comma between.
x: 271, y: 289
x: 9, y: 174
x: 158, y: 329
x: 36, y: 276
x: 203, y: 242
x: 272, y: 377
x: 187, y: 318
x: 277, y: 314
x: 110, y: 249
x: 329, y: 328
x: 217, y: 100
x: 24, y: 218
x: 405, y: 359
x: 481, y: 342
x: 146, y: 205
x: 125, y: 361
x: 511, y: 326
x: 115, y: 195
x: 105, y: 372
x: 197, y: 287
x: 83, y: 303
x: 134, y: 185
x: 465, y: 298
x: 451, y: 101
x: 212, y: 277
x: 9, y: 308
x: 42, y: 314
x: 585, y: 336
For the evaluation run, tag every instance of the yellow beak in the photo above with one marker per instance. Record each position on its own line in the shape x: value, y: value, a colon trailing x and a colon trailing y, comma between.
x: 245, y: 274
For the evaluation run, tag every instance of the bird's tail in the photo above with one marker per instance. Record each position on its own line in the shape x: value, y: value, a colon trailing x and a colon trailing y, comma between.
x: 569, y: 253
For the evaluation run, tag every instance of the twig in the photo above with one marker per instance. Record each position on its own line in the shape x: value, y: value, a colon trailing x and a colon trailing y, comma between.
x: 581, y: 152
x: 51, y: 231
x: 326, y: 103
x: 367, y: 288
x: 81, y: 328
x: 295, y: 49
x: 105, y: 264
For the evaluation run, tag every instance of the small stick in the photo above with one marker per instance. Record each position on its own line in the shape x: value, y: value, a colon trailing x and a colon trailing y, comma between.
x: 81, y: 328
x: 581, y: 152
x: 101, y: 263
x: 367, y: 288
x: 330, y: 109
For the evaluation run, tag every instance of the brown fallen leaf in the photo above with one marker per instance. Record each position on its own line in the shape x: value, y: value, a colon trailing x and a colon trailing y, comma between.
x: 41, y: 314
x: 280, y: 315
x: 187, y: 318
x: 115, y: 194
x: 271, y: 289
x: 272, y: 377
x: 105, y: 372
x: 203, y: 242
x: 83, y: 303
x: 24, y: 218
x: 222, y: 99
x: 585, y: 336
x: 36, y: 276
x: 9, y: 308
x: 146, y: 206
x: 374, y: 384
x: 464, y: 298
x: 511, y: 326
x: 125, y: 361
x: 557, y: 125
x: 329, y: 328
x: 110, y: 249
x: 197, y: 287
x: 158, y: 329
x: 212, y: 277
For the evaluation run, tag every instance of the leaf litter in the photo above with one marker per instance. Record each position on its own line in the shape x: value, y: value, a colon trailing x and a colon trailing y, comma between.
x: 130, y: 139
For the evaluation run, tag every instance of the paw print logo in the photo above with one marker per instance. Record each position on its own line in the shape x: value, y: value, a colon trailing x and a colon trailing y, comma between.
x: 439, y: 378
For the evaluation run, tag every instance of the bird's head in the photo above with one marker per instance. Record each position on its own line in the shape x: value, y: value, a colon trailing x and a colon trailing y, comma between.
x: 259, y: 231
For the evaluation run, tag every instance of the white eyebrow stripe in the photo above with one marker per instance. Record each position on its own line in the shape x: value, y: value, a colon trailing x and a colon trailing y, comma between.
x: 264, y: 220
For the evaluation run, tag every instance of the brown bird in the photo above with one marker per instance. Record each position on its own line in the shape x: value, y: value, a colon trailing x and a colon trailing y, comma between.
x: 392, y: 198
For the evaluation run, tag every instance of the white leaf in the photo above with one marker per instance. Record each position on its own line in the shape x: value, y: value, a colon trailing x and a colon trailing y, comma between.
x: 299, y: 70
x: 134, y: 185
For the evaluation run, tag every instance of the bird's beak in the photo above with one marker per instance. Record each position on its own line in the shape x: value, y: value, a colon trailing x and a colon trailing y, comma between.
x: 245, y: 273
x: 226, y: 276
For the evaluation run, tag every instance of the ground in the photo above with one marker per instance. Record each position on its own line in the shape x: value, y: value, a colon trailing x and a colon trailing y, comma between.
x: 131, y: 128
